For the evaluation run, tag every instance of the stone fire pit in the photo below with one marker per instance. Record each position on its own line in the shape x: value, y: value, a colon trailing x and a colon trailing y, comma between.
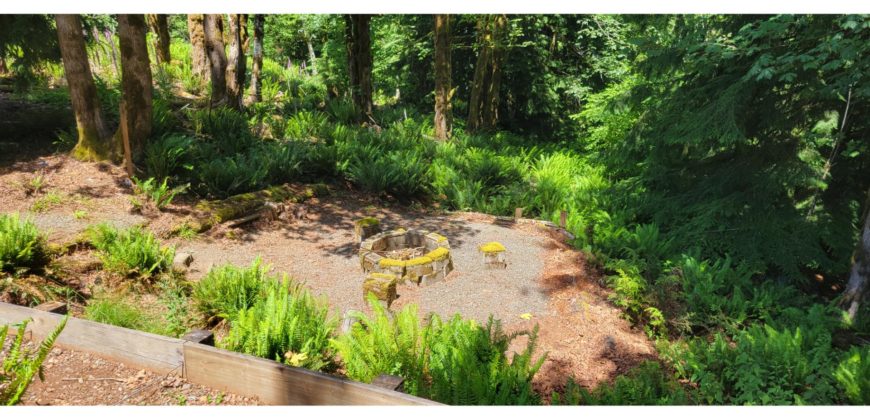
x: 410, y: 255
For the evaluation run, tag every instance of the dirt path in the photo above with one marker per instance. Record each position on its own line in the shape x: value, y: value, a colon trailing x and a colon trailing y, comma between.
x: 584, y: 336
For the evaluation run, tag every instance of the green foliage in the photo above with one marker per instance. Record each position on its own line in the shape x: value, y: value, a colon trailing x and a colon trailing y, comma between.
x: 159, y: 194
x: 116, y: 310
x: 227, y: 290
x: 19, y: 366
x: 853, y: 375
x: 223, y: 128
x: 763, y: 364
x: 133, y: 252
x: 165, y: 156
x: 402, y: 175
x: 287, y: 325
x: 455, y: 362
x: 21, y: 244
x: 645, y: 384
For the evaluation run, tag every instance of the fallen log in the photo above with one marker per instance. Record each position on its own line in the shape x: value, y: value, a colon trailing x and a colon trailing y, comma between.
x: 247, y: 206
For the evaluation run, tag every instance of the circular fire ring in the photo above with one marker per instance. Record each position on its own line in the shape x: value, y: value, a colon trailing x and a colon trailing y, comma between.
x: 379, y: 254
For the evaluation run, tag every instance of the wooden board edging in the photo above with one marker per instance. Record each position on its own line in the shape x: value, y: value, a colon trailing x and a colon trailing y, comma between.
x: 269, y: 381
x: 279, y: 384
x: 144, y: 350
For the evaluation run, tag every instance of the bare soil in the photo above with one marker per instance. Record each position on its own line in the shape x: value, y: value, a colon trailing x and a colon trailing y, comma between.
x: 77, y: 378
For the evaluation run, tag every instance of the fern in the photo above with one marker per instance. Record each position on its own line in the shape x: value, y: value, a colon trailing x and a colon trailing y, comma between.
x: 20, y: 366
x: 21, y: 244
x: 132, y: 252
x: 288, y: 326
x: 226, y: 290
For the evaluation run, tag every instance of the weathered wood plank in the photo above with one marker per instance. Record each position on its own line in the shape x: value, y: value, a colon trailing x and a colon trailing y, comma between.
x: 275, y: 383
x: 156, y: 353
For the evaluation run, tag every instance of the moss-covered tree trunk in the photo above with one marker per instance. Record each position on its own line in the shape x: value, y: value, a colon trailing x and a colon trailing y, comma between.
x: 484, y: 101
x: 94, y: 139
x: 136, y: 89
x: 235, y: 63
x: 198, y: 55
x: 859, y: 276
x: 160, y: 26
x: 257, y: 54
x: 217, y: 58
x: 359, y: 57
x: 443, y: 78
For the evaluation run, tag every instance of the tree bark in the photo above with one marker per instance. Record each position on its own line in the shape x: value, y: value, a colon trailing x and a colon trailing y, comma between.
x: 859, y: 276
x: 160, y: 26
x: 94, y: 140
x: 484, y: 102
x: 198, y: 55
x: 257, y: 66
x: 217, y: 58
x: 359, y: 58
x: 3, y: 68
x: 443, y: 82
x: 235, y: 63
x: 136, y: 89
x: 312, y: 58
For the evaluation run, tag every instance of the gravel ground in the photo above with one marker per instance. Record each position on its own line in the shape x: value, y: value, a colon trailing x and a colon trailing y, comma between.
x: 325, y: 257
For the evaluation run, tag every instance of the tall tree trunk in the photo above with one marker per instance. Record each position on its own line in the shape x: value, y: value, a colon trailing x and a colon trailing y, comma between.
x: 484, y: 102
x: 443, y: 82
x: 246, y: 40
x: 198, y: 55
x: 235, y: 63
x: 257, y: 66
x: 312, y: 58
x: 859, y: 276
x: 110, y: 40
x: 3, y: 68
x: 359, y: 57
x: 217, y: 58
x: 136, y: 89
x: 94, y: 140
x: 160, y: 26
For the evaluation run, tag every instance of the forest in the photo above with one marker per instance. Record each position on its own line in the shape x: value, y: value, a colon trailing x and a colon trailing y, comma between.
x: 711, y: 174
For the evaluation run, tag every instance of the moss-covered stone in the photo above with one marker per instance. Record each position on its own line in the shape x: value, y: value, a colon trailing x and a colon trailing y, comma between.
x: 492, y: 247
x: 438, y: 254
x: 390, y: 262
x: 382, y: 285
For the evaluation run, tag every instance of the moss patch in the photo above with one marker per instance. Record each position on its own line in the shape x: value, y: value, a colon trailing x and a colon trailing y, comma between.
x: 438, y: 254
x: 389, y: 262
x: 492, y: 247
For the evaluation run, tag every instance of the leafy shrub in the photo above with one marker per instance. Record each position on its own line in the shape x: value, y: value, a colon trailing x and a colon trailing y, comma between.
x: 383, y: 345
x: 401, y: 174
x: 764, y: 365
x: 21, y: 245
x: 132, y: 252
x: 468, y: 366
x: 165, y: 155
x: 230, y: 175
x: 305, y: 125
x: 455, y: 362
x: 159, y: 194
x: 645, y: 384
x: 853, y: 375
x: 224, y: 128
x: 288, y: 325
x: 226, y: 290
x: 19, y: 366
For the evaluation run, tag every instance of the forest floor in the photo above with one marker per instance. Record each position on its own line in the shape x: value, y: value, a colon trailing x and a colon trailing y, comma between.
x: 583, y: 335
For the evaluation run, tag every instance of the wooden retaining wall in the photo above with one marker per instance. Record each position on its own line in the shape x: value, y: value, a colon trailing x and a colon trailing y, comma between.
x: 269, y: 381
